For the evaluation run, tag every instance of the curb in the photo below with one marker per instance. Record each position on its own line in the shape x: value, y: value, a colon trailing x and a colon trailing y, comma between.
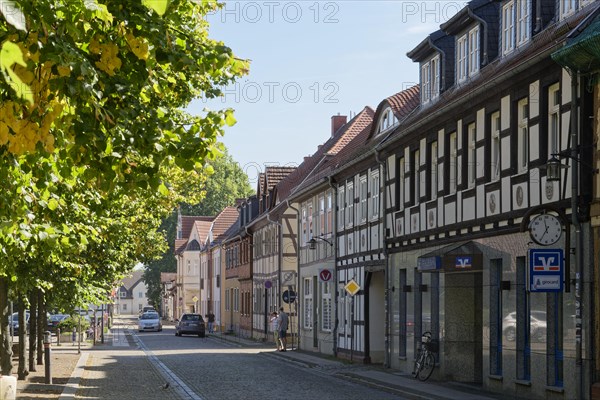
x: 72, y: 385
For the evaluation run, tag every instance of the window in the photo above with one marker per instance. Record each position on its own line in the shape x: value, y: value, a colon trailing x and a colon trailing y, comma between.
x: 140, y: 306
x: 387, y: 121
x: 474, y: 51
x: 553, y: 119
x: 403, y: 322
x: 310, y: 220
x: 329, y: 217
x: 471, y: 165
x: 349, y: 204
x: 124, y: 307
x: 321, y: 229
x: 453, y: 161
x: 140, y: 295
x: 523, y: 24
x: 362, y: 211
x: 467, y: 54
x: 417, y: 175
x: 520, y: 331
x: 430, y: 79
x: 516, y: 24
x: 523, y: 135
x: 401, y: 183
x: 434, y: 170
x: 508, y: 27
x: 567, y: 7
x: 375, y: 195
x: 227, y: 300
x: 495, y: 147
x: 341, y: 207
x: 304, y: 226
x: 461, y: 58
x: 308, y: 303
x: 236, y: 299
x: 326, y: 303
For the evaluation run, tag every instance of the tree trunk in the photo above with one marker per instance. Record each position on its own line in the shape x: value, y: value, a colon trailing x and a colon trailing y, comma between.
x: 22, y: 369
x: 6, y: 352
x: 41, y: 326
x: 33, y: 316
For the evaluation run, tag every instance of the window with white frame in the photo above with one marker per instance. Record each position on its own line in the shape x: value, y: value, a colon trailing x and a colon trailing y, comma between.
x: 453, y: 162
x: 321, y: 229
x: 308, y: 303
x: 401, y: 185
x: 553, y: 119
x: 341, y: 207
x: 374, y: 211
x: 304, y: 224
x: 311, y: 228
x: 523, y: 135
x: 362, y: 211
x: 461, y: 58
x: 326, y: 306
x: 495, y: 147
x: 434, y: 170
x: 387, y: 121
x: 523, y: 21
x: 508, y: 27
x: 567, y: 7
x: 349, y: 204
x: 430, y: 79
x: 329, y: 212
x: 471, y: 162
x: 467, y: 54
x: 417, y: 175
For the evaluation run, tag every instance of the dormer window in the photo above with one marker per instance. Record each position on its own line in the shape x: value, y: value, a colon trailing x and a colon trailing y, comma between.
x: 430, y: 79
x: 387, y: 121
x: 568, y: 7
x: 516, y: 24
x: 467, y: 54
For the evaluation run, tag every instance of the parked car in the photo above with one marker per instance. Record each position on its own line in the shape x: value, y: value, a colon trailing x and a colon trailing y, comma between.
x: 537, y: 326
x: 147, y: 309
x: 149, y: 321
x: 13, y: 323
x: 54, y: 320
x: 190, y: 324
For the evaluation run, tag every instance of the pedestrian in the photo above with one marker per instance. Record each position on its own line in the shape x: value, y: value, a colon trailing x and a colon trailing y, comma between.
x: 274, y: 328
x: 282, y: 326
x: 211, y: 321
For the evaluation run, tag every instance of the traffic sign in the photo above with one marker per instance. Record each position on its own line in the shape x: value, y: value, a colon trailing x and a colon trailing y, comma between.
x: 289, y: 296
x: 546, y: 270
x: 194, y: 299
x: 352, y: 287
x: 325, y: 275
x: 268, y: 284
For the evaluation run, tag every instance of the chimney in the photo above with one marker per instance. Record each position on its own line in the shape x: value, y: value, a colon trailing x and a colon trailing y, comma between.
x: 337, y: 121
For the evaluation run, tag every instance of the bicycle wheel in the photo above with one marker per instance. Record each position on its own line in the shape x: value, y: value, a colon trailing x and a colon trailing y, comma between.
x: 426, y: 369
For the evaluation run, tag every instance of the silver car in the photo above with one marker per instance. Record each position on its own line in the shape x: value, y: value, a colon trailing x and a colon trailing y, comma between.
x: 149, y: 321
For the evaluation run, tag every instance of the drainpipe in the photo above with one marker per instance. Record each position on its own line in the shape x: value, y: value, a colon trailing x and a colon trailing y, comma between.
x: 335, y: 256
x: 578, y: 234
x: 485, y: 34
x: 387, y: 301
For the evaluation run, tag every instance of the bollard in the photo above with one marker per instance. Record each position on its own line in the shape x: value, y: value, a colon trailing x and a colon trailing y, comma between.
x: 47, y: 353
x: 58, y: 336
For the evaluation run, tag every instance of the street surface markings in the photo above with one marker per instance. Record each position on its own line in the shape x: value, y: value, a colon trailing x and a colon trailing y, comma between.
x: 177, y: 384
x: 119, y: 338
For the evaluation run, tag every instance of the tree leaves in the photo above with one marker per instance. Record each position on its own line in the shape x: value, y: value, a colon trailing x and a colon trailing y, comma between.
x: 11, y: 54
x: 160, y: 6
x: 13, y: 14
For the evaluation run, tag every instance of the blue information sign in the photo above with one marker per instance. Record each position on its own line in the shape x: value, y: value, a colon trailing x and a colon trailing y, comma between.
x: 546, y: 270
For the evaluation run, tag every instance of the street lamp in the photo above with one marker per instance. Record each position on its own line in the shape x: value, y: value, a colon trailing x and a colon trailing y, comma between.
x: 312, y: 243
x: 554, y: 166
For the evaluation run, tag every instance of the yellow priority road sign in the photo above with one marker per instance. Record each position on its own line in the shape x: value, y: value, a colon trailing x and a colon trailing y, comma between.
x: 352, y: 287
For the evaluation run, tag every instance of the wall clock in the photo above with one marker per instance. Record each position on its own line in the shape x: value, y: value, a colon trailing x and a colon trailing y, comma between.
x: 545, y: 229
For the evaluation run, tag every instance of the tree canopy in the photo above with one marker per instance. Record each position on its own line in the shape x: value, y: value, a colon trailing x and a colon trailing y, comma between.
x: 95, y: 148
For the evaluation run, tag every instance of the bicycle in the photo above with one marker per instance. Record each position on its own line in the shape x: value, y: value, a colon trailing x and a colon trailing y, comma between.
x: 425, y: 361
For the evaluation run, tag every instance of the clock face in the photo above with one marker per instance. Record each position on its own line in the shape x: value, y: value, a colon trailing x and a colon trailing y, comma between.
x: 545, y: 229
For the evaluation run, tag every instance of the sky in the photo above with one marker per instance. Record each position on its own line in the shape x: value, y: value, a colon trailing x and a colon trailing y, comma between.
x: 311, y: 60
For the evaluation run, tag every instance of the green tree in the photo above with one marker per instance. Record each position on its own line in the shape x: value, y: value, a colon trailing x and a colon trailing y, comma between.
x: 227, y: 183
x: 94, y: 146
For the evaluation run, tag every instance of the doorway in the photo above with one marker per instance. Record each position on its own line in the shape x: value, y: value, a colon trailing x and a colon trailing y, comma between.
x: 376, y: 317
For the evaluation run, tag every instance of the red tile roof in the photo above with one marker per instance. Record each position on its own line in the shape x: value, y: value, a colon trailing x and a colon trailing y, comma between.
x: 166, y: 277
x: 187, y: 223
x: 401, y: 103
x: 226, y: 218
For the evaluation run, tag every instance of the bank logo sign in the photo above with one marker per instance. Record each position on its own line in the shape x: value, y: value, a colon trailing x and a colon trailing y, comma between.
x: 546, y: 270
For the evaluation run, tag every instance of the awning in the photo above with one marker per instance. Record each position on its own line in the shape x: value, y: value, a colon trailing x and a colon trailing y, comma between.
x: 582, y: 51
x: 457, y: 257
